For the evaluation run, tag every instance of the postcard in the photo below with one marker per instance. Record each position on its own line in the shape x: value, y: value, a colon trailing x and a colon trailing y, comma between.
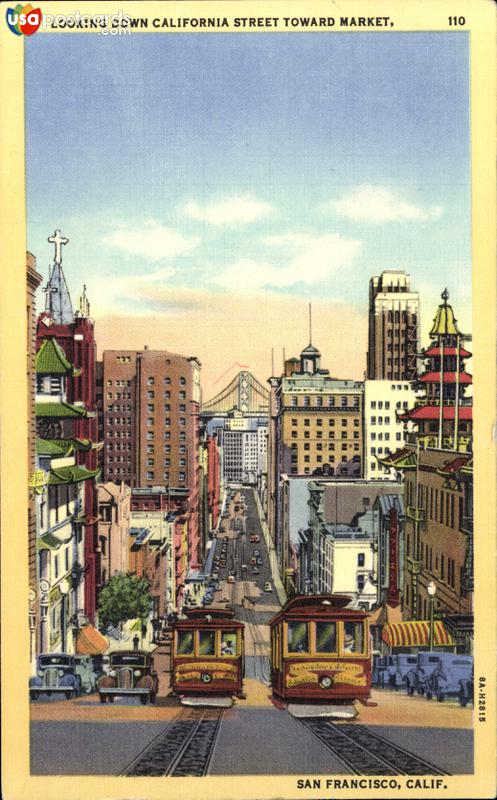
x: 248, y: 469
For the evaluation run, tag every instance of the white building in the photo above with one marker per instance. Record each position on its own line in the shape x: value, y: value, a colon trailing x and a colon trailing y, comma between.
x: 244, y: 454
x: 383, y: 433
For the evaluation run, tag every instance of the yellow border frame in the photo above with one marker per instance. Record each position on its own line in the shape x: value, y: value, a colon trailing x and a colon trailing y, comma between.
x: 410, y: 15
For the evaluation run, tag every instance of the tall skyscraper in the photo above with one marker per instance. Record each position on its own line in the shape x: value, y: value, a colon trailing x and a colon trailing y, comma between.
x: 393, y: 327
x: 151, y: 405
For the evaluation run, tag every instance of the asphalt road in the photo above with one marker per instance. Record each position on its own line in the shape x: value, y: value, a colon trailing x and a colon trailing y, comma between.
x: 258, y: 741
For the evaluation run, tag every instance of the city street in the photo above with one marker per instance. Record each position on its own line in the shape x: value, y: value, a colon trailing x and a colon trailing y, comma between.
x: 401, y: 735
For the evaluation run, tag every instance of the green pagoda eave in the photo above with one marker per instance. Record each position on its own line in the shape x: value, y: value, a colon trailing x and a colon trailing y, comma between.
x: 60, y: 411
x: 51, y: 360
x: 73, y: 474
x: 59, y: 448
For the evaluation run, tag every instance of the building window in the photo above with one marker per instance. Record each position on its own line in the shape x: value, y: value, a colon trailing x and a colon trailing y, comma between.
x: 182, y: 407
x: 307, y: 459
x: 294, y: 421
x: 319, y: 422
x: 182, y: 421
x: 167, y: 421
x: 182, y: 381
x: 150, y: 408
x: 167, y: 407
x: 373, y: 420
x: 150, y: 381
x: 306, y: 435
x: 361, y: 580
x: 150, y: 395
x: 182, y: 395
x: 360, y: 559
x: 150, y: 420
x: 307, y: 446
x: 150, y: 476
x: 294, y: 434
x: 343, y: 401
x: 307, y: 400
x: 167, y: 462
x: 150, y: 462
x: 294, y: 401
x: 182, y: 436
x: 331, y: 446
x: 344, y: 423
x: 307, y: 422
x: 182, y: 476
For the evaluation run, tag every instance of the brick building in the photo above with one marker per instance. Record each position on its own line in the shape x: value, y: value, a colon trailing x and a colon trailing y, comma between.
x: 114, y: 509
x: 150, y: 406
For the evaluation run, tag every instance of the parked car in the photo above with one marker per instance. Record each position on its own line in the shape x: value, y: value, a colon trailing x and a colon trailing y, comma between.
x: 452, y: 677
x: 259, y: 561
x: 256, y: 553
x: 56, y: 673
x: 254, y: 538
x: 131, y: 672
x: 87, y: 672
x: 417, y: 678
x: 268, y: 587
x: 231, y: 579
x: 397, y: 668
x: 253, y: 561
x: 255, y: 571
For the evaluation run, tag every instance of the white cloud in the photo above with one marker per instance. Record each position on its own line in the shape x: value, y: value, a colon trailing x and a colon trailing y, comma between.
x: 238, y: 210
x: 377, y: 204
x: 308, y: 259
x: 151, y: 241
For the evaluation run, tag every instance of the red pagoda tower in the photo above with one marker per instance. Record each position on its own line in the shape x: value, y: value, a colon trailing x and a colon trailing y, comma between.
x: 443, y: 416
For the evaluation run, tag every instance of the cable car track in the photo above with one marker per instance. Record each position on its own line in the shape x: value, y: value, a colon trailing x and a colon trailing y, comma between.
x: 365, y: 752
x: 184, y: 748
x: 260, y: 658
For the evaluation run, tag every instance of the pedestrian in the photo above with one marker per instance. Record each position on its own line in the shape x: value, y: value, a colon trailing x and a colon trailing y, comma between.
x: 144, y: 630
x: 136, y: 641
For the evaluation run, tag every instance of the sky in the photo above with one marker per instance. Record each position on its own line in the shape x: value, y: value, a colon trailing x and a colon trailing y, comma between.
x: 212, y: 185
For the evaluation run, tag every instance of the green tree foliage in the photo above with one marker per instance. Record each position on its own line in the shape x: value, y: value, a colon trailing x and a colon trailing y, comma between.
x: 126, y: 596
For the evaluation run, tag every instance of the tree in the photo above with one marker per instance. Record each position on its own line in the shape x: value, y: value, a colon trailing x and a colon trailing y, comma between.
x: 126, y: 596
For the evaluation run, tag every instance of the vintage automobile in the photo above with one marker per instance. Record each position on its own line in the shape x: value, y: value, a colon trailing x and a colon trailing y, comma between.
x: 131, y: 672
x: 88, y: 672
x: 417, y: 678
x: 397, y: 668
x: 56, y: 673
x: 452, y: 677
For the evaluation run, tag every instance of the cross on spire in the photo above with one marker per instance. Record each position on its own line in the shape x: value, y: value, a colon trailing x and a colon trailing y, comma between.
x: 58, y: 240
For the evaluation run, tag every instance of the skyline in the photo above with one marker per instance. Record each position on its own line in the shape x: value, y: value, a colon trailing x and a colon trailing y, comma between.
x: 264, y: 188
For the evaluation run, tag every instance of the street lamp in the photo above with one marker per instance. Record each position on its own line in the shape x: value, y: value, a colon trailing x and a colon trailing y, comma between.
x: 432, y: 590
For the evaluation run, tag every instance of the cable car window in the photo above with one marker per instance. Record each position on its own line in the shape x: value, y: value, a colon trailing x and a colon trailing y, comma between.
x: 184, y: 646
x: 326, y: 637
x: 207, y: 643
x: 228, y: 643
x: 298, y: 637
x: 353, y: 637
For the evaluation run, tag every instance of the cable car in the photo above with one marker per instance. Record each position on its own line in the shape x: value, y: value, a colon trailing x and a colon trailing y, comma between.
x: 208, y: 658
x: 320, y: 657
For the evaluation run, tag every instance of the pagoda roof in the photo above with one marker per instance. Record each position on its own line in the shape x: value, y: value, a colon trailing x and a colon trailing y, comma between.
x: 401, y: 459
x: 448, y: 377
x: 60, y: 410
x: 433, y: 412
x: 51, y: 360
x: 434, y: 350
x: 73, y: 474
x: 453, y: 466
x: 445, y: 323
x: 61, y: 447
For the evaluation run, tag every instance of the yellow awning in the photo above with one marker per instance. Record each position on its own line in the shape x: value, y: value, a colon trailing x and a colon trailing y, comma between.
x: 416, y: 634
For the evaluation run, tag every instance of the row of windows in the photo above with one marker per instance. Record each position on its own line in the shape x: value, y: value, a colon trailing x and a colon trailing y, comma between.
x: 118, y: 446
x: 167, y: 448
x: 120, y: 459
x: 119, y: 396
x: 439, y: 505
x: 331, y: 435
x: 119, y: 383
x: 386, y: 436
x: 167, y: 407
x: 118, y: 434
x: 117, y: 407
x: 381, y: 420
x: 375, y: 467
x: 167, y: 394
x: 379, y: 450
x: 395, y: 316
x: 346, y: 401
x: 151, y: 476
x: 319, y: 422
x: 166, y: 435
x: 167, y: 381
x: 118, y: 420
x: 167, y: 421
x: 167, y: 462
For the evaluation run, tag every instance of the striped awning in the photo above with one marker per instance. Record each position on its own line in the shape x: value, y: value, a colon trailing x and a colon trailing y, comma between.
x: 416, y: 634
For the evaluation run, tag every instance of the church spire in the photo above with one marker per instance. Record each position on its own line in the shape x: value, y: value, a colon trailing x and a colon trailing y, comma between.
x: 58, y: 300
